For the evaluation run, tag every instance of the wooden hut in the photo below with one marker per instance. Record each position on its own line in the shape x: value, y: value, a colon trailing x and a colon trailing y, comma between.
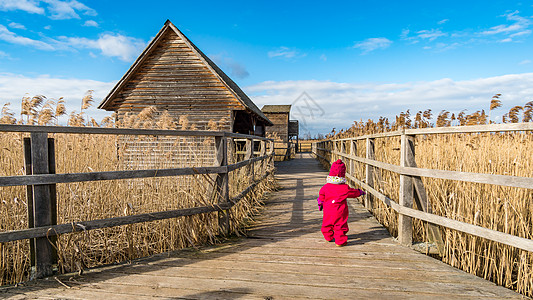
x: 284, y: 130
x: 173, y: 75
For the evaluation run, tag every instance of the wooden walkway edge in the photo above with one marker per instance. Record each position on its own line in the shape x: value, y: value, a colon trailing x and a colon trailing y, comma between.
x: 284, y: 257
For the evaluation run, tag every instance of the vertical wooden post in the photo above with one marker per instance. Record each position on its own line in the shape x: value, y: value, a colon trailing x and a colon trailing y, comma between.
x: 369, y: 172
x: 42, y: 204
x: 342, y: 149
x: 249, y: 154
x: 222, y: 183
x: 262, y: 152
x: 405, y: 228
x: 29, y: 196
x: 353, y: 151
x: 53, y: 196
x: 272, y: 153
x: 422, y: 202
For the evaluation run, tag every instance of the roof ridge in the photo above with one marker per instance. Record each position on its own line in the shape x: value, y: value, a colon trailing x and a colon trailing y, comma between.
x: 225, y: 79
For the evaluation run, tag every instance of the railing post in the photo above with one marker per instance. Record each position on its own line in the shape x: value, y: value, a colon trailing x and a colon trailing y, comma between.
x: 249, y: 154
x: 405, y: 228
x: 421, y: 199
x: 262, y: 152
x: 334, y: 154
x: 272, y: 153
x: 369, y: 172
x: 222, y: 183
x: 29, y: 196
x: 44, y: 210
x: 353, y: 151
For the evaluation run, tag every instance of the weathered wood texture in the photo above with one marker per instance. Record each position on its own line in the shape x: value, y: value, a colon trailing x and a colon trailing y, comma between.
x: 121, y: 131
x: 285, y: 257
x: 173, y: 75
x: 173, y: 78
x: 453, y: 129
x: 280, y: 130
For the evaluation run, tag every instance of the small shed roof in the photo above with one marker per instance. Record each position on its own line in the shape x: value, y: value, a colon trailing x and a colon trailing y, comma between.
x: 272, y: 109
x: 230, y: 84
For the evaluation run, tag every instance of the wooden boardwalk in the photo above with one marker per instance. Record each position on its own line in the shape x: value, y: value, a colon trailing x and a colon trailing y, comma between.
x: 285, y: 257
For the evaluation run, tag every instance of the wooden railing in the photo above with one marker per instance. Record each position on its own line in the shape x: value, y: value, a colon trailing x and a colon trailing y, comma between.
x: 288, y: 151
x: 41, y: 183
x: 411, y: 186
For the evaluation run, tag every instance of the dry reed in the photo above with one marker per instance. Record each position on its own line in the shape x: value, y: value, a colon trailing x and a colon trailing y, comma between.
x: 97, y: 200
x: 505, y: 209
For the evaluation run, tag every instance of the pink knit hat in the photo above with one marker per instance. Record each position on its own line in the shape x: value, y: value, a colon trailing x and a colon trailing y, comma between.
x: 338, y: 169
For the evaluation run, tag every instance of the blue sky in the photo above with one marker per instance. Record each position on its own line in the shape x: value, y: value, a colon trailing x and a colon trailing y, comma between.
x: 354, y: 59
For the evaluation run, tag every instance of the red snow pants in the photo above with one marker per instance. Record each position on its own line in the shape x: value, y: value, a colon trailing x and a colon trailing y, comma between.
x: 335, y: 221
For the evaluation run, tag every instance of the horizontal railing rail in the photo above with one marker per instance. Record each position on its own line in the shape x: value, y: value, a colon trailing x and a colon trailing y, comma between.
x: 509, y: 127
x: 411, y: 185
x: 124, y: 131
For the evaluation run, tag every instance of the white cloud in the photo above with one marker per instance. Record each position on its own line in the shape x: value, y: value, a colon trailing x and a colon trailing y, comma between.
x: 521, y: 33
x: 29, y: 6
x: 442, y: 21
x: 61, y: 10
x: 13, y: 87
x: 285, y: 52
x: 344, y: 103
x: 430, y: 35
x: 525, y: 62
x: 90, y: 23
x: 16, y: 25
x: 10, y: 37
x: 113, y: 45
x: 518, y: 27
x: 57, y: 9
x: 372, y: 44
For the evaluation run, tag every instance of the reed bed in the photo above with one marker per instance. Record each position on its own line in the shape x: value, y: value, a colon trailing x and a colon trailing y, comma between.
x: 96, y: 200
x: 505, y: 209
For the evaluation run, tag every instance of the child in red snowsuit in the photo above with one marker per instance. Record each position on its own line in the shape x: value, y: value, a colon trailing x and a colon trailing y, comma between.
x: 332, y: 198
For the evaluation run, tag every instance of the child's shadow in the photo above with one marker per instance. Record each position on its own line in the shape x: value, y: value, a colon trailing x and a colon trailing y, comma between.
x: 361, y: 238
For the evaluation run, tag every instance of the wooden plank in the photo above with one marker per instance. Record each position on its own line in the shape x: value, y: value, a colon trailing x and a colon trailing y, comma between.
x: 105, y: 223
x: 421, y: 199
x: 503, y: 180
x: 369, y: 172
x: 126, y: 220
x: 42, y: 210
x: 53, y: 198
x: 405, y: 223
x: 105, y: 175
x: 288, y: 262
x: 528, y: 126
x: 221, y: 188
x: 29, y: 195
x: 101, y: 130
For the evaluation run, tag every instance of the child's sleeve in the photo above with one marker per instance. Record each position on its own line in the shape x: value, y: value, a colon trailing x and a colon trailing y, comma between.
x: 354, y: 193
x: 321, y: 196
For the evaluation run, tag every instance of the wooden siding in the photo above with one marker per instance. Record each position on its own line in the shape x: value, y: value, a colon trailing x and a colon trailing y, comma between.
x: 174, y: 78
x: 281, y: 126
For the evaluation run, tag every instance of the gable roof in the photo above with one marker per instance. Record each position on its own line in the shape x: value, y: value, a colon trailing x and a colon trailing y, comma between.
x: 276, y: 109
x: 226, y: 81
